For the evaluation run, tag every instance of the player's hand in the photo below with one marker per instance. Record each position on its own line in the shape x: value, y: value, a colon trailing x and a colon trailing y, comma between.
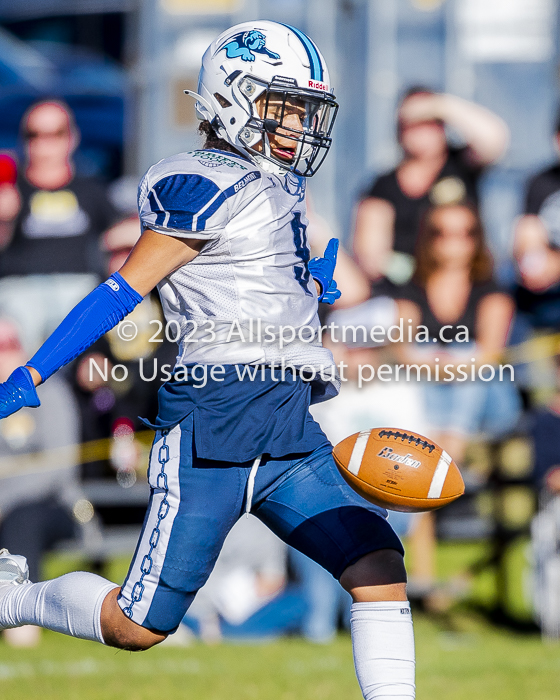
x: 17, y: 391
x: 331, y: 295
x: 322, y: 271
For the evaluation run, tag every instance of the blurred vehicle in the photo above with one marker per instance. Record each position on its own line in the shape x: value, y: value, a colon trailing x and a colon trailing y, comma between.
x: 93, y: 86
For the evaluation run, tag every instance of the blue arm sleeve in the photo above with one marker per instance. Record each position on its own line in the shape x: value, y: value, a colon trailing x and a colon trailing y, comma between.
x: 96, y: 314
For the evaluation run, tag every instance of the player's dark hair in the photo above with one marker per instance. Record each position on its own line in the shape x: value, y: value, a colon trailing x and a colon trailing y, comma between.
x: 212, y: 138
x: 481, y: 265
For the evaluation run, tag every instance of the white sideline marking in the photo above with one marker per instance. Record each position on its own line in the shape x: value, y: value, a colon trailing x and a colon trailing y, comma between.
x: 358, y: 452
x: 440, y: 474
x: 94, y: 667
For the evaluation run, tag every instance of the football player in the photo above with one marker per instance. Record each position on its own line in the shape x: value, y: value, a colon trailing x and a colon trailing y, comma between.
x: 224, y: 239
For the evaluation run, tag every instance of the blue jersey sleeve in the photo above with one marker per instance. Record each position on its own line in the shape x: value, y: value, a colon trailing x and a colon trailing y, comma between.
x: 185, y: 205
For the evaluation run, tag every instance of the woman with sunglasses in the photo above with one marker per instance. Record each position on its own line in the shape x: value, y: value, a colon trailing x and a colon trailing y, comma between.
x: 466, y: 316
x: 460, y: 321
x: 51, y: 220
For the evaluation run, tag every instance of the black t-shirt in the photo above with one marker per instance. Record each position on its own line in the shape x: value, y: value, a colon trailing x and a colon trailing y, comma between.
x: 413, y: 292
x: 544, y: 427
x: 58, y: 231
x: 543, y: 199
x: 457, y: 180
x: 540, y: 187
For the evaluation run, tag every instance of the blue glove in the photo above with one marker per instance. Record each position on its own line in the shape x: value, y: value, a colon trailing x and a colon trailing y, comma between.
x: 331, y: 295
x: 322, y: 270
x: 18, y: 391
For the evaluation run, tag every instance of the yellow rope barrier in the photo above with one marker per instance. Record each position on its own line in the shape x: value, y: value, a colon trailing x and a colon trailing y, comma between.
x: 532, y: 350
x: 63, y: 457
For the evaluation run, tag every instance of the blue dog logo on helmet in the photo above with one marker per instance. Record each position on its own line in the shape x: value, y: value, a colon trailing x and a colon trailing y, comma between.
x: 246, y: 45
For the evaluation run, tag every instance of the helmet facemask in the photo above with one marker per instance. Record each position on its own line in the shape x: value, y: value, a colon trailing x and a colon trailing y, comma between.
x: 289, y: 128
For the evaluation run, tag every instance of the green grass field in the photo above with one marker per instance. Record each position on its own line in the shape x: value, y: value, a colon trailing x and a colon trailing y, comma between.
x: 460, y: 657
x: 480, y: 663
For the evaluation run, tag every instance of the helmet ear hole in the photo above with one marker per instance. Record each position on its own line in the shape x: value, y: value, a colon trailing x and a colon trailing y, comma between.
x: 222, y: 100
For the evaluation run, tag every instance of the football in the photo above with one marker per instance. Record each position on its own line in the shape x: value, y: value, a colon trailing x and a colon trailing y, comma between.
x: 399, y: 470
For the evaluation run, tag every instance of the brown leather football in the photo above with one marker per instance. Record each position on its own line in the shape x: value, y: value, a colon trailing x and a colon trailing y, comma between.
x: 399, y: 470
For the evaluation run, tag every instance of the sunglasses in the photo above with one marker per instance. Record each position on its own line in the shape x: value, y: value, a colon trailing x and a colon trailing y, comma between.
x: 10, y: 344
x: 437, y: 232
x: 34, y: 135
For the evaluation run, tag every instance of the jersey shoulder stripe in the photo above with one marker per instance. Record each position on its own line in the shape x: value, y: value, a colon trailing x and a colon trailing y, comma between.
x: 179, y: 194
x: 178, y: 199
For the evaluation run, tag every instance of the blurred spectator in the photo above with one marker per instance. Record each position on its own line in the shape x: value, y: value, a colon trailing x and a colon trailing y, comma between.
x: 51, y: 226
x: 430, y: 172
x: 467, y: 317
x: 325, y: 601
x: 544, y: 428
x: 545, y: 528
x: 537, y: 252
x: 9, y: 197
x: 245, y: 595
x: 39, y: 486
x: 545, y: 545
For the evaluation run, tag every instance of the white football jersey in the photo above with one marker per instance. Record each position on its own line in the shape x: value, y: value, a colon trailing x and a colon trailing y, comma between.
x: 248, y: 297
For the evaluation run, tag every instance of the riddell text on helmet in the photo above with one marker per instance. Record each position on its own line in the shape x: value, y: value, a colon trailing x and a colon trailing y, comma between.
x: 318, y: 85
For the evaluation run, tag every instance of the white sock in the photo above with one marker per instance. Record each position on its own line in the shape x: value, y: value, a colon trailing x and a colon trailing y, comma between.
x: 383, y: 644
x: 70, y: 604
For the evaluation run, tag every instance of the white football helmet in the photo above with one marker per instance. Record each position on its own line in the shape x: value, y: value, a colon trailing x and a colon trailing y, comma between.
x: 254, y: 78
